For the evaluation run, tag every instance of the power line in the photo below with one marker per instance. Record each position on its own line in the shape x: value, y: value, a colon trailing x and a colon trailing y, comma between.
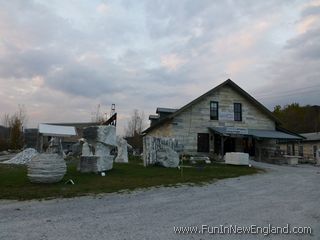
x: 292, y: 91
x: 291, y: 94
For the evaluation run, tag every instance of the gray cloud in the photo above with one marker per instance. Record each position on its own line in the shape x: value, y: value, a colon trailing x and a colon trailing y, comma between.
x: 81, y: 80
x: 29, y: 63
x: 313, y: 10
x: 155, y: 53
x: 295, y: 73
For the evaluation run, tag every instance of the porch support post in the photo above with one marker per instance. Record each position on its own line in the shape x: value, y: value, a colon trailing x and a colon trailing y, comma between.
x: 222, y: 147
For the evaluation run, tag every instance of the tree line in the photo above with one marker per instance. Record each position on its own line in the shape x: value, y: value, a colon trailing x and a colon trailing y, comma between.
x: 300, y: 119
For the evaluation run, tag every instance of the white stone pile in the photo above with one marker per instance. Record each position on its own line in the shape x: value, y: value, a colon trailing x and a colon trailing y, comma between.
x: 23, y: 157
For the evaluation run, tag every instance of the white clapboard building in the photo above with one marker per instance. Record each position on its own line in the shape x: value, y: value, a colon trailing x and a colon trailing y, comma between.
x: 224, y: 119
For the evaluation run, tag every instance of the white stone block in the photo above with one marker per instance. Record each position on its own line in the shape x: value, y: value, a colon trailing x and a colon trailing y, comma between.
x: 237, y: 158
x: 293, y: 160
x: 96, y: 154
x: 167, y: 157
x: 107, y: 135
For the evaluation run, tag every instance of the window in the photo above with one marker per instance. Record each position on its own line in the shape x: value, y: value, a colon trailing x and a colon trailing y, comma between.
x: 288, y: 149
x: 214, y: 107
x: 315, y: 151
x: 301, y: 151
x: 237, y: 111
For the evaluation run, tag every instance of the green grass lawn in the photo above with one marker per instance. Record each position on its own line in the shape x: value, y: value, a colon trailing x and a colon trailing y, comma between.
x: 14, y: 183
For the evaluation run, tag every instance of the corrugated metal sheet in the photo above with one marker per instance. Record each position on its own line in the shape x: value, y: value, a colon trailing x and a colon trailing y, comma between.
x: 55, y: 130
x: 311, y: 136
x: 270, y: 134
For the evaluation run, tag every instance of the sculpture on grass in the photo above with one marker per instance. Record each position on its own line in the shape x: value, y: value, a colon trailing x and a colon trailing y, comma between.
x: 96, y: 149
x: 48, y: 167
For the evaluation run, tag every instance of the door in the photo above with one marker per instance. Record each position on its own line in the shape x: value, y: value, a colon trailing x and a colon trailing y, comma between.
x: 229, y: 145
x: 249, y: 146
x: 203, y: 142
x: 217, y: 144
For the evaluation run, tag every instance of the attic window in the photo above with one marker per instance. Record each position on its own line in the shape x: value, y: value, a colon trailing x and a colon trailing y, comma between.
x: 237, y: 111
x: 214, y: 107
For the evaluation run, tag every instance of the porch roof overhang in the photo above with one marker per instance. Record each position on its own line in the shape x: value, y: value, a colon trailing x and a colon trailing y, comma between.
x: 256, y: 133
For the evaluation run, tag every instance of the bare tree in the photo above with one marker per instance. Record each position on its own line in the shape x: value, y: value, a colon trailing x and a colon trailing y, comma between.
x: 97, y: 116
x: 6, y: 120
x: 135, y: 124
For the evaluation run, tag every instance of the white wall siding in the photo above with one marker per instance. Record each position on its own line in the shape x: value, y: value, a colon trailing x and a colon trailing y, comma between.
x: 196, y: 119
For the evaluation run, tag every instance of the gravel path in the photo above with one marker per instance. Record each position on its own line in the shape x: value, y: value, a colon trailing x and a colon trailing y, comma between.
x: 282, y: 195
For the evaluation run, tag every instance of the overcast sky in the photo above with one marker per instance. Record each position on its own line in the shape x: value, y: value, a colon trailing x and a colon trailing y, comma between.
x: 62, y: 58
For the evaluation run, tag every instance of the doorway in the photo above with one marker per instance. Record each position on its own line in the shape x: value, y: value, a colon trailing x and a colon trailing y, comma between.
x: 203, y: 142
x: 229, y: 145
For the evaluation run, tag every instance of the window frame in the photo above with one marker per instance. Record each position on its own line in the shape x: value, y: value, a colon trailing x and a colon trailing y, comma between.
x: 315, y: 150
x: 235, y: 113
x: 216, y: 110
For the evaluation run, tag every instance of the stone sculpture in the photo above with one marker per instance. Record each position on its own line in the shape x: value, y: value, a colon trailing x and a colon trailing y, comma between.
x: 161, y: 150
x: 96, y: 150
x: 47, y: 168
x: 122, y: 156
x: 167, y: 157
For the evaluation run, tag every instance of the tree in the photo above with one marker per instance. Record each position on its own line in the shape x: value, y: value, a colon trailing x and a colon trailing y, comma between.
x: 97, y: 116
x: 135, y: 124
x: 298, y: 118
x: 16, y: 133
x: 15, y: 123
x: 277, y: 110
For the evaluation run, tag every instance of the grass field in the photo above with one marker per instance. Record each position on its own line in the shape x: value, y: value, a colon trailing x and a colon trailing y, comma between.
x: 14, y: 183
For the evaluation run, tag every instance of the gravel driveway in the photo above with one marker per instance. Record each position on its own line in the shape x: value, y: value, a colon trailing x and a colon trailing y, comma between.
x: 282, y: 195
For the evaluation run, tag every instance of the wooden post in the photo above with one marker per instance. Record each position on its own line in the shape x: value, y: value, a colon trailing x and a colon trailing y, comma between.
x: 260, y: 151
x: 293, y: 150
x: 222, y: 147
x: 41, y: 143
